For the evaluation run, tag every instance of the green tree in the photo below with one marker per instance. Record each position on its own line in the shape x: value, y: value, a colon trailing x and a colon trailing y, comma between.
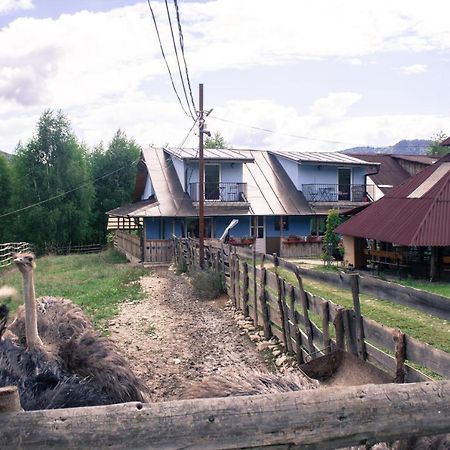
x: 5, y: 195
x: 331, y: 239
x: 216, y: 141
x: 435, y: 148
x: 115, y: 189
x: 51, y: 172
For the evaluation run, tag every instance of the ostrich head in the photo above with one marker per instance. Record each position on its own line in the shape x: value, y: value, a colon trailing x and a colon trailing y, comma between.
x: 26, y: 264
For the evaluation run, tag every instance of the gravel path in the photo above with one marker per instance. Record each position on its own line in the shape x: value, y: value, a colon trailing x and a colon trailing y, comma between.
x: 172, y: 339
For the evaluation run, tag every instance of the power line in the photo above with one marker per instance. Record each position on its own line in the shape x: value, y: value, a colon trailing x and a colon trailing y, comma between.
x: 68, y: 192
x: 180, y: 32
x: 266, y: 130
x: 165, y: 59
x: 178, y: 60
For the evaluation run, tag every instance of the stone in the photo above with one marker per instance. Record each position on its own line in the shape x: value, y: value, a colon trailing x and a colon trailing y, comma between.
x: 262, y: 346
x: 276, y: 352
x: 279, y: 361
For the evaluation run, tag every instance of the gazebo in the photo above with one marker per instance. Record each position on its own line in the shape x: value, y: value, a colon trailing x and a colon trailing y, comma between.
x: 408, y: 228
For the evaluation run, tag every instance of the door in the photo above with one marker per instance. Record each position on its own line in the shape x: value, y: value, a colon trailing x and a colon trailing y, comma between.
x: 212, y: 181
x: 260, y: 243
x: 344, y: 183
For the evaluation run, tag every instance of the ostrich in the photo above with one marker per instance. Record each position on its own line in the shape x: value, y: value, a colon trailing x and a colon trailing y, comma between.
x: 39, y: 379
x: 60, y: 328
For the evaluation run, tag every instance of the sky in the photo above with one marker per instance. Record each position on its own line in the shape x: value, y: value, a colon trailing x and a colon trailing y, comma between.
x: 320, y: 75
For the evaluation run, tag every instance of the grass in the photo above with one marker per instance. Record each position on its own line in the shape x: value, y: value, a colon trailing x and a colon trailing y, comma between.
x: 96, y: 282
x: 421, y: 326
x: 434, y: 288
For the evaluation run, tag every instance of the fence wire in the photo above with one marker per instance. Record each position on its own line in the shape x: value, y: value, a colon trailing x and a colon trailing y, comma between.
x: 8, y: 249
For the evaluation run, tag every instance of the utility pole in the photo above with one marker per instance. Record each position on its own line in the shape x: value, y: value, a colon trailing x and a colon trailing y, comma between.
x: 201, y: 179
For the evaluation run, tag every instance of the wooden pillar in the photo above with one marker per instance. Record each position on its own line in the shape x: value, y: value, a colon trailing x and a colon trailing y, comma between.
x: 361, y: 347
x: 245, y: 294
x: 304, y: 303
x: 297, y: 336
x: 9, y: 399
x: 265, y: 306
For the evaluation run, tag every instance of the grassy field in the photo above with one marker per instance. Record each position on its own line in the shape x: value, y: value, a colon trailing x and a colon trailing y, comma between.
x: 424, y: 327
x: 97, y: 282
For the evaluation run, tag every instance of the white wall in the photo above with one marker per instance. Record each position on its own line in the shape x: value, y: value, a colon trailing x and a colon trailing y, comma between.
x: 148, y: 190
x: 291, y: 168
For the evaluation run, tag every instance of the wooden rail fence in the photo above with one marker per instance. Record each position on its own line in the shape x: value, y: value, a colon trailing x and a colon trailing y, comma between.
x: 8, y: 249
x: 309, y: 325
x: 128, y: 243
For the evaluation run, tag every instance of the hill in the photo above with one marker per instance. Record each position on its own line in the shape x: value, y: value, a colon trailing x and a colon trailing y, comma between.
x: 5, y: 154
x: 403, y: 147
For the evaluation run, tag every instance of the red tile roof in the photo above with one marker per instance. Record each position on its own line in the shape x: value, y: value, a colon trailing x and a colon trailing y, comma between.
x: 415, y: 213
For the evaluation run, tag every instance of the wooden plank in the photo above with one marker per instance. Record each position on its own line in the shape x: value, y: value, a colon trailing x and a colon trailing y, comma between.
x: 326, y: 341
x: 245, y: 291
x: 296, y: 334
x: 339, y: 329
x: 304, y: 305
x: 336, y: 418
x: 264, y: 306
x: 354, y: 284
x: 284, y: 309
x: 378, y: 334
x: 427, y: 356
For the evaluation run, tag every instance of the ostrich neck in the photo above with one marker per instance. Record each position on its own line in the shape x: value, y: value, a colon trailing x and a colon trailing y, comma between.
x: 31, y: 330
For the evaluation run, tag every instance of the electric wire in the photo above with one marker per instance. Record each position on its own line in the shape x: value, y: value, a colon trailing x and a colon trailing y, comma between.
x: 178, y: 61
x: 63, y: 194
x: 165, y: 59
x: 180, y: 32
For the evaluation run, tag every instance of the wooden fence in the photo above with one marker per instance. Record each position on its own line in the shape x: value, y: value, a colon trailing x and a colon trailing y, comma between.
x: 128, y: 243
x: 311, y: 326
x: 8, y: 249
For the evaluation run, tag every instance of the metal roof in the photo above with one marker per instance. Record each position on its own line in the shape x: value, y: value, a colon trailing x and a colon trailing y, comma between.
x: 323, y: 158
x: 415, y: 213
x: 270, y: 191
x: 216, y: 154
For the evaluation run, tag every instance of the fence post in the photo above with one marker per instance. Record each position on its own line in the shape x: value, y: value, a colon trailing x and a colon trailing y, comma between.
x: 280, y: 301
x: 9, y: 399
x: 264, y: 306
x: 298, y: 337
x: 354, y: 284
x: 339, y: 327
x: 237, y: 281
x: 350, y: 337
x: 231, y: 259
x: 304, y: 302
x: 325, y: 327
x: 400, y: 356
x: 255, y: 298
x: 245, y: 289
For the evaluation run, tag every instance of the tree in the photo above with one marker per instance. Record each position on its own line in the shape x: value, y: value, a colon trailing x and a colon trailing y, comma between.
x: 216, y: 141
x: 5, y: 194
x: 115, y: 189
x: 51, y: 173
x: 331, y: 239
x: 435, y: 148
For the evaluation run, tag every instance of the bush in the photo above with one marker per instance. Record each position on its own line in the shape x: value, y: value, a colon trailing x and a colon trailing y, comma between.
x: 182, y: 266
x: 208, y: 284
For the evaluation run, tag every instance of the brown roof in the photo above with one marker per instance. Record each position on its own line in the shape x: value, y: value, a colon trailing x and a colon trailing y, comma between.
x: 390, y: 173
x: 415, y: 213
x: 446, y: 142
x: 421, y: 159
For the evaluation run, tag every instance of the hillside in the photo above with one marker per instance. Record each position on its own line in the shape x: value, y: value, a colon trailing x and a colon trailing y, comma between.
x: 403, y: 147
x: 5, y: 154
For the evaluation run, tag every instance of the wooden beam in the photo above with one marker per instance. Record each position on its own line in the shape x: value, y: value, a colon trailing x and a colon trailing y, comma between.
x: 320, y: 418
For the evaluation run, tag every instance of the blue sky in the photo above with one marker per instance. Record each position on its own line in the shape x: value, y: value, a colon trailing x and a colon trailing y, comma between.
x: 359, y: 73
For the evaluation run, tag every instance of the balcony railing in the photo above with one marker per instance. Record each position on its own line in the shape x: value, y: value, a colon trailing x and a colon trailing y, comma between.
x: 221, y: 192
x: 334, y: 192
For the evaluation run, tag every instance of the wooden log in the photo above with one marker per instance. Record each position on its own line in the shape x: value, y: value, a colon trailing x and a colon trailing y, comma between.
x: 286, y: 325
x: 9, y: 399
x: 349, y: 334
x: 255, y: 298
x: 265, y: 306
x: 354, y: 284
x: 325, y: 328
x: 304, y: 303
x: 237, y: 282
x: 335, y: 418
x: 245, y: 296
x: 298, y: 341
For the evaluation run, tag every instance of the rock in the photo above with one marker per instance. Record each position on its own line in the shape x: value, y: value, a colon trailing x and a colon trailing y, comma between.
x: 254, y: 337
x: 279, y: 361
x: 276, y: 352
x: 112, y: 322
x: 176, y: 360
x: 262, y: 346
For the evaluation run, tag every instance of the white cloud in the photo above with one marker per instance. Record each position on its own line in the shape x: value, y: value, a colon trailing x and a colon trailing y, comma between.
x: 7, y: 6
x: 413, y: 69
x: 104, y: 69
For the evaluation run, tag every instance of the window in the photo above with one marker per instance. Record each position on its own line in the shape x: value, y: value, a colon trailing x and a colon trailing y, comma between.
x: 259, y: 226
x: 318, y: 225
x: 281, y: 222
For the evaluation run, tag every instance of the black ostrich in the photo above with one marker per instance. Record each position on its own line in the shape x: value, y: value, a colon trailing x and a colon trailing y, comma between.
x: 39, y: 379
x: 58, y: 328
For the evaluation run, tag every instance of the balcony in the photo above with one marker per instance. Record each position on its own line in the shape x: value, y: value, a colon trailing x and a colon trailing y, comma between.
x: 329, y: 193
x: 220, y: 192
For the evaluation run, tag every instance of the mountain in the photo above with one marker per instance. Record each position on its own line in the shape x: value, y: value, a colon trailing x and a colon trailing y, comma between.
x: 404, y: 147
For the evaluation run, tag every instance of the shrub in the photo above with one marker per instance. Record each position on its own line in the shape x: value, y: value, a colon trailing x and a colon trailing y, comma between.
x: 208, y: 284
x: 182, y: 266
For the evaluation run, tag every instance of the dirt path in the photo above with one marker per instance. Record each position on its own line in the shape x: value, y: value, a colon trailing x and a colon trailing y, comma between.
x: 172, y: 339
